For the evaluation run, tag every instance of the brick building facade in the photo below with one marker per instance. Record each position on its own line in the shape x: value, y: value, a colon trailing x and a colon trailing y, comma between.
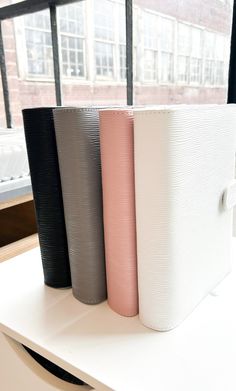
x: 181, y: 51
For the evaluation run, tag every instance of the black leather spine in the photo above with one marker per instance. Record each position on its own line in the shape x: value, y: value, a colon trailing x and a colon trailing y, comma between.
x: 46, y: 185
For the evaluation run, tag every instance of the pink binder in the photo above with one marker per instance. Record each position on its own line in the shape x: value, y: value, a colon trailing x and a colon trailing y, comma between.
x: 117, y: 159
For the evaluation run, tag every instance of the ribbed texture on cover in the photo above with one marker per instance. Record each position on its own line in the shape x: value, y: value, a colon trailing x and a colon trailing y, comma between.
x: 46, y: 185
x: 184, y: 161
x: 77, y: 133
x: 117, y: 156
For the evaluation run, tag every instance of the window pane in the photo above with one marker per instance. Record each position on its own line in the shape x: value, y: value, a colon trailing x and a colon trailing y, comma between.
x: 38, y: 44
x: 184, y: 39
x: 150, y: 29
x: 72, y: 30
x: 166, y: 67
x: 122, y: 62
x: 122, y: 28
x: 190, y: 46
x: 166, y: 34
x: 209, y: 47
x: 220, y: 80
x: 183, y: 69
x: 104, y: 59
x: 196, y: 42
x: 150, y: 65
x: 72, y: 56
x: 209, y: 72
x: 72, y: 18
x: 31, y: 62
x: 195, y: 70
x: 104, y: 19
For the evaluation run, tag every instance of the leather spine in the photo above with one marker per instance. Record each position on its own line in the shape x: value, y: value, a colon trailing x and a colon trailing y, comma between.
x: 117, y: 156
x: 77, y: 134
x: 46, y: 186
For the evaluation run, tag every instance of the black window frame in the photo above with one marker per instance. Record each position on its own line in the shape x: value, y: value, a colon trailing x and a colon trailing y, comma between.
x: 30, y: 6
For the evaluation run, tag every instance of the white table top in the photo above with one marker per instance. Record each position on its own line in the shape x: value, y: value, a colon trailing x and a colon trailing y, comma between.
x: 111, y: 352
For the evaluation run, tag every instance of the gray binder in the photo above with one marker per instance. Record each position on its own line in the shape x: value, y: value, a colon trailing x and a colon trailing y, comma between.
x: 77, y: 135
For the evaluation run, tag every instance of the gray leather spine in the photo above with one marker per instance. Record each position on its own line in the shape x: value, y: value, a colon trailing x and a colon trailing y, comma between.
x: 77, y: 135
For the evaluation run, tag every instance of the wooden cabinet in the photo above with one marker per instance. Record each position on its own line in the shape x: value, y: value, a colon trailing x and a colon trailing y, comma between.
x: 17, y: 226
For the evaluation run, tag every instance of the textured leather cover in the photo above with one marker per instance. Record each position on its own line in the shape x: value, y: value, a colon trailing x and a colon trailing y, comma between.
x: 77, y: 133
x: 184, y: 161
x: 117, y: 156
x: 46, y: 185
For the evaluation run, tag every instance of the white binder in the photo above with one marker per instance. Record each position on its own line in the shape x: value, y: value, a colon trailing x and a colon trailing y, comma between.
x: 185, y: 192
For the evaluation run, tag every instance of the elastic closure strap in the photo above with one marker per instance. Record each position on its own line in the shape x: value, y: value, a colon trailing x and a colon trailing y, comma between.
x: 229, y: 196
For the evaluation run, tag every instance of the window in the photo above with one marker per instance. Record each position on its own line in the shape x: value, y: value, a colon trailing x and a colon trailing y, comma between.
x: 122, y: 42
x: 122, y: 54
x: 104, y: 38
x: 183, y: 53
x: 38, y: 44
x: 196, y: 56
x: 104, y: 59
x: 209, y: 52
x: 150, y: 32
x: 136, y: 44
x: 167, y: 49
x: 108, y: 33
x: 72, y: 33
x: 150, y: 67
x: 189, y: 54
x: 172, y: 47
x: 220, y: 56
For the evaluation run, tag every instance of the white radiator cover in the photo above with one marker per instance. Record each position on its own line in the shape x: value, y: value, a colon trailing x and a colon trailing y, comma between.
x: 13, y: 155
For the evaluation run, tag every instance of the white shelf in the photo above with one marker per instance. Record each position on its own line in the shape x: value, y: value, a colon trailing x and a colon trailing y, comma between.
x: 111, y: 352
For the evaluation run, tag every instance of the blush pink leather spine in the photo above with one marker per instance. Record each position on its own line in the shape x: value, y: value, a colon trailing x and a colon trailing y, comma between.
x: 117, y: 160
